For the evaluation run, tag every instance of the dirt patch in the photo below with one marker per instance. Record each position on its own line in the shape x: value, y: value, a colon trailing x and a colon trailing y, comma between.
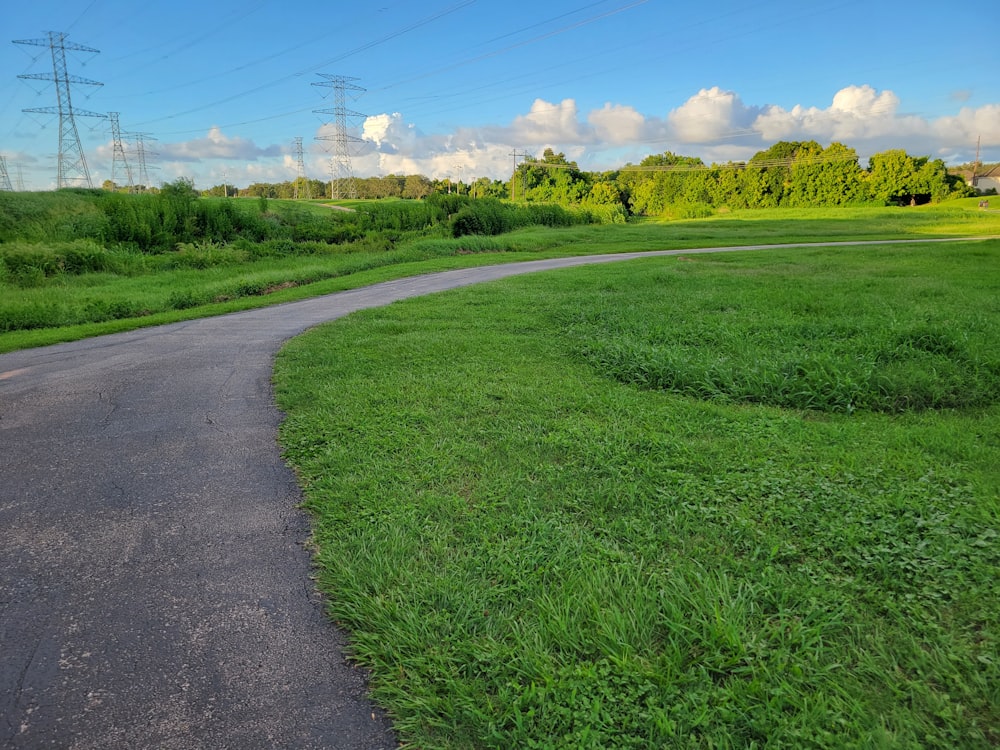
x: 278, y: 287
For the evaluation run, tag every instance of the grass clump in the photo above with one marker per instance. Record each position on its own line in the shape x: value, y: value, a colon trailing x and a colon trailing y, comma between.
x: 490, y: 216
x: 806, y: 338
x: 530, y: 552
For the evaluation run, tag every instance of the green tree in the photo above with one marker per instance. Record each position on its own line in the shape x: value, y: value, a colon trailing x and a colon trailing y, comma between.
x: 416, y: 186
x: 725, y: 186
x: 770, y: 186
x: 662, y: 180
x: 604, y: 194
x: 895, y: 177
x: 831, y: 177
x: 552, y: 179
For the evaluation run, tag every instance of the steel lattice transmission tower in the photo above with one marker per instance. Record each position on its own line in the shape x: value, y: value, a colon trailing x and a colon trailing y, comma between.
x: 341, y: 175
x: 5, y: 176
x: 140, y: 158
x: 118, y: 155
x: 300, y: 169
x: 72, y: 162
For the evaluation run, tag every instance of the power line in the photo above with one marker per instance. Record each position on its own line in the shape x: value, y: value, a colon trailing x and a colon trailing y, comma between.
x: 300, y: 170
x: 341, y: 173
x: 4, y: 176
x: 513, y: 175
x: 369, y: 45
x: 72, y: 162
x: 118, y: 153
x: 391, y: 36
x: 139, y: 139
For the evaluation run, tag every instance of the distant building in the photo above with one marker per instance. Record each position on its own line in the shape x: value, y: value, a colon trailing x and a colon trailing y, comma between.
x: 986, y: 182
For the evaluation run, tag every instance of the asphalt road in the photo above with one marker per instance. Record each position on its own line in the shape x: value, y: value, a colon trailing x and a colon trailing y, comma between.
x: 155, y: 589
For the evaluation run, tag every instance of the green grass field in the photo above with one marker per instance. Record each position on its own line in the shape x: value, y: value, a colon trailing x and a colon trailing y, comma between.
x: 735, y: 500
x: 41, y: 305
x: 708, y: 501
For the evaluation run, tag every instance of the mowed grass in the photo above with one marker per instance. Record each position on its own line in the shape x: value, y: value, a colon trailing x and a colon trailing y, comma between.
x: 198, y: 280
x: 531, y: 547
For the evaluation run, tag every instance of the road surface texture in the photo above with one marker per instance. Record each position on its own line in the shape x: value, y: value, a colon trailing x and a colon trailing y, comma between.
x: 155, y: 589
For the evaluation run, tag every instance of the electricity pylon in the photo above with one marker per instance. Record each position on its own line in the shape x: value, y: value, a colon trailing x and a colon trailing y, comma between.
x: 4, y: 176
x: 72, y: 162
x: 300, y: 169
x: 140, y: 158
x: 118, y: 154
x: 341, y: 174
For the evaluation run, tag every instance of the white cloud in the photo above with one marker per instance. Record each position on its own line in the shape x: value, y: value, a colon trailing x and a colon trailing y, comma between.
x: 856, y: 113
x: 216, y: 145
x: 390, y: 133
x: 710, y: 115
x: 969, y: 125
x: 617, y: 124
x: 547, y: 123
x: 713, y: 124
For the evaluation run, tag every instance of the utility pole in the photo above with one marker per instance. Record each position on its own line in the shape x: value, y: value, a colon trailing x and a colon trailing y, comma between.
x: 72, y: 162
x: 513, y: 175
x: 20, y: 178
x: 300, y: 168
x: 341, y: 174
x: 975, y: 164
x: 4, y: 176
x: 118, y: 153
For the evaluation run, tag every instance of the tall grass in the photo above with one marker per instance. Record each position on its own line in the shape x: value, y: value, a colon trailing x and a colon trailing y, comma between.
x: 491, y: 217
x: 828, y: 344
x: 56, y: 273
x: 530, y: 551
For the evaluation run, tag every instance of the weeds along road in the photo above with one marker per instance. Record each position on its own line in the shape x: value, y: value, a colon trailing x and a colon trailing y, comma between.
x: 155, y: 589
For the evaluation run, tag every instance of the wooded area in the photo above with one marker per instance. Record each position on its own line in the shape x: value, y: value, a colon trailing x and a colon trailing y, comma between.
x: 788, y: 174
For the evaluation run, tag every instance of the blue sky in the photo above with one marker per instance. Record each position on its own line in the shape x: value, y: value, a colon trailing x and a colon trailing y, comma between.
x: 452, y: 87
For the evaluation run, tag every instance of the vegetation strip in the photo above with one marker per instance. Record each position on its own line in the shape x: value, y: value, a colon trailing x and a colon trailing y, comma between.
x: 82, y: 263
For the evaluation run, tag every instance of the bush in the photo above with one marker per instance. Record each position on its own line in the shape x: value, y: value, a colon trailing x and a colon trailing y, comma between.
x: 30, y: 264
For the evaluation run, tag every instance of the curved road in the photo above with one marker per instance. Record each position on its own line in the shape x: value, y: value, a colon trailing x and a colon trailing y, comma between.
x: 154, y: 586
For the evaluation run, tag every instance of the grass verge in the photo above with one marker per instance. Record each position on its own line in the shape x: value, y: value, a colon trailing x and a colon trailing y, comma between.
x: 532, y: 551
x: 131, y: 291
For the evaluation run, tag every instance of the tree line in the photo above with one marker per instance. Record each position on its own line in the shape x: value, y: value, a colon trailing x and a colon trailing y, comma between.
x: 788, y: 174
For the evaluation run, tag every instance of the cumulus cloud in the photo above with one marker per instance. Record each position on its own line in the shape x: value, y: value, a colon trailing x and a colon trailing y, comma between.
x: 398, y: 147
x: 968, y: 126
x: 389, y: 133
x: 871, y: 121
x: 548, y: 122
x: 216, y: 145
x: 710, y: 115
x: 856, y: 113
x: 714, y: 124
x: 617, y: 124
